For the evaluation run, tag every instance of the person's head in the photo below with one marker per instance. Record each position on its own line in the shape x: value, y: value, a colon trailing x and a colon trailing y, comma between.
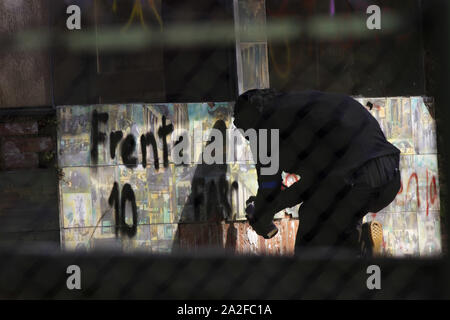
x: 251, y: 106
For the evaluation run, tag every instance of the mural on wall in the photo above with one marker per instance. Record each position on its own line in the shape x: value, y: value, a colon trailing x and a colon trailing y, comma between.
x: 411, y: 223
x: 120, y: 186
x: 115, y: 198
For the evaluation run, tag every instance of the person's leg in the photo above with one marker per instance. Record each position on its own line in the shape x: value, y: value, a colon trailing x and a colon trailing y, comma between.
x: 382, y: 177
x: 385, y: 194
x: 332, y: 216
x: 331, y: 219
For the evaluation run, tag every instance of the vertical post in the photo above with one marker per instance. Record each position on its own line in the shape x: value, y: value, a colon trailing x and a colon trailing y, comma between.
x: 251, y: 45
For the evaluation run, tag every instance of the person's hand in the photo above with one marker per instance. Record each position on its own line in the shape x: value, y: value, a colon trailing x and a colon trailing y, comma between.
x: 265, y: 230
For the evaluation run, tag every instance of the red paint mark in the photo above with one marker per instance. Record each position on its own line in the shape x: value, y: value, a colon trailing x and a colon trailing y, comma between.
x: 401, y: 188
x: 433, y: 190
x: 430, y: 189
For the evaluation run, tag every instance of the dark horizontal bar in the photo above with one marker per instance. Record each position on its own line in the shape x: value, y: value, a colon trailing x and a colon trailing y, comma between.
x: 211, y: 275
x: 27, y: 112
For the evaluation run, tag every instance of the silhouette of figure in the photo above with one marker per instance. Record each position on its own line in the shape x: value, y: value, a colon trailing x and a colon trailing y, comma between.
x: 207, y: 203
x: 346, y: 165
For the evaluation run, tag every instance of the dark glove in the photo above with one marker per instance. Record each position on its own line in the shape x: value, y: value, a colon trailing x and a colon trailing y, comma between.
x: 266, y: 230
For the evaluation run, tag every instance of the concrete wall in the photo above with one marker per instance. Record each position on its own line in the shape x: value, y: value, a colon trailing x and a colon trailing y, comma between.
x: 178, y: 206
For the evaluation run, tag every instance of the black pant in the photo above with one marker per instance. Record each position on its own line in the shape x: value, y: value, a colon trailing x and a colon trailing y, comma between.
x: 331, y: 218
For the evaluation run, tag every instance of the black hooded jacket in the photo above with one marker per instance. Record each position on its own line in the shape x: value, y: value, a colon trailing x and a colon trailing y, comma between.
x: 324, y: 138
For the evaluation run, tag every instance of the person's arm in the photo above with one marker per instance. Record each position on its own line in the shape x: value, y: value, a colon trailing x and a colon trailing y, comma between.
x: 270, y: 199
x: 265, y: 201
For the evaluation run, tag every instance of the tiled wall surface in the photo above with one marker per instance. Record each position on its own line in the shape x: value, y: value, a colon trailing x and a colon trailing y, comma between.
x: 170, y: 199
x: 411, y: 223
x: 199, y: 205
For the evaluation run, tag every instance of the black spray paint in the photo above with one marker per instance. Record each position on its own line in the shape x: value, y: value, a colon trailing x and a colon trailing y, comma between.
x: 114, y: 139
x: 97, y: 137
x: 164, y: 131
x: 126, y: 149
x: 146, y: 140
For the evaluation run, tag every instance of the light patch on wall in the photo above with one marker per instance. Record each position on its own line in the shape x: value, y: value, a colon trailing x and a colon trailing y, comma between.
x: 409, y: 124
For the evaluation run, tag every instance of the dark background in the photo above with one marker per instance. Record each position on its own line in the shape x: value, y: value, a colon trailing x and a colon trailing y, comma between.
x: 383, y: 65
x: 154, y: 73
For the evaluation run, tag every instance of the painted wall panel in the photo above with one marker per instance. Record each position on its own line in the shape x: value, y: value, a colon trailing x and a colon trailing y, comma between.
x: 165, y: 196
x: 174, y: 200
x: 409, y: 124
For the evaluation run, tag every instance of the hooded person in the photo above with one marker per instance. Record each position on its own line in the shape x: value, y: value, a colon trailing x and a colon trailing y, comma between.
x: 347, y: 168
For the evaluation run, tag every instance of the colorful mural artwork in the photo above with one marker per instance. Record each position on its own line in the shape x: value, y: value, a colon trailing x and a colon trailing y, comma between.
x: 411, y: 223
x: 120, y: 187
x: 119, y: 181
x: 108, y: 200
